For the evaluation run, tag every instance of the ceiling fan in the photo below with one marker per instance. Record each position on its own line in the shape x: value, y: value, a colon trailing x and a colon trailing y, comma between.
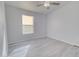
x: 47, y: 4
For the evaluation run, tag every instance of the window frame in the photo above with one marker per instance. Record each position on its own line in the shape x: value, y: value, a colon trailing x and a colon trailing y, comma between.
x: 27, y: 25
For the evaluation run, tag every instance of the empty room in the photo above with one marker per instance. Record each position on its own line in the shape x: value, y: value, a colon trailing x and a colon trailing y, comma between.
x: 39, y: 28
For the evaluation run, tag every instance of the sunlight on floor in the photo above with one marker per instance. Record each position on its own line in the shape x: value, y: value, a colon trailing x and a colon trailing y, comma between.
x: 20, y: 52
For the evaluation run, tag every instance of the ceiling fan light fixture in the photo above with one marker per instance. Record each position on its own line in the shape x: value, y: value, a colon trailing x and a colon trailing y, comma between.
x: 46, y: 4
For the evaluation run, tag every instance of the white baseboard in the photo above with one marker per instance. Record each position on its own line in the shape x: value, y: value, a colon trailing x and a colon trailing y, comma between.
x: 65, y: 42
x: 15, y: 43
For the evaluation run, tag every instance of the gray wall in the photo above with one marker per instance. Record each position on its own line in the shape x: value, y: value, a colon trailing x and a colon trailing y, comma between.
x: 14, y: 25
x: 63, y: 24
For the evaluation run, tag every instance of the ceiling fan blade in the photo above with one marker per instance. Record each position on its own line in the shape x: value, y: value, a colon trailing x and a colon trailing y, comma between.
x: 39, y: 5
x: 55, y: 3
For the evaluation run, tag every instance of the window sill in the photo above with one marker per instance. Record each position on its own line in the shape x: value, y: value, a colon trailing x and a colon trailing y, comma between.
x: 27, y: 33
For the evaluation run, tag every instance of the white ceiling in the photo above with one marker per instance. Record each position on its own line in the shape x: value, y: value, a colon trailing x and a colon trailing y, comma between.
x: 32, y: 6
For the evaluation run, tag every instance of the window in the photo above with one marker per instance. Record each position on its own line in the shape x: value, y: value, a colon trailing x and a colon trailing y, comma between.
x: 27, y: 24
